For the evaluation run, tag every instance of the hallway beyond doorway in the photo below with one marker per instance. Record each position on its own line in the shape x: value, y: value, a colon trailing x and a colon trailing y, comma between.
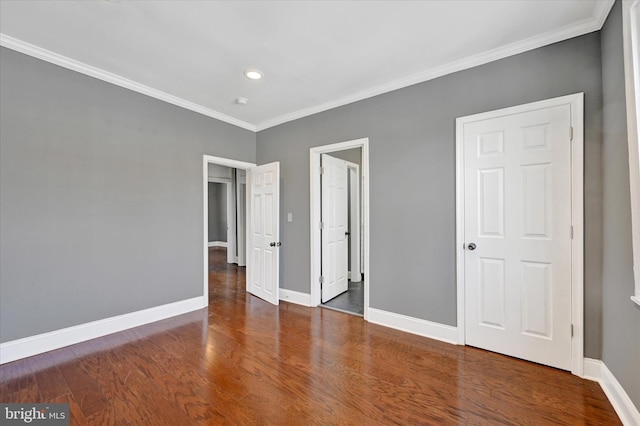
x: 350, y: 302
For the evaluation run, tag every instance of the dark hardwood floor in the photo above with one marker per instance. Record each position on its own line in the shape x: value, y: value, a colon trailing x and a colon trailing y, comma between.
x: 243, y: 361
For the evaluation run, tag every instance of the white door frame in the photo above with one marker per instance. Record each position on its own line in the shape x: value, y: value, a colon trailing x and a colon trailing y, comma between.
x: 206, y: 160
x: 576, y: 102
x: 316, y: 215
x: 353, y: 169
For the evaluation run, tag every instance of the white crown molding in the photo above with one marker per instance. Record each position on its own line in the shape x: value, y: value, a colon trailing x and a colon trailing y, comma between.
x: 595, y: 23
x: 63, y: 61
x: 601, y: 12
x: 584, y: 27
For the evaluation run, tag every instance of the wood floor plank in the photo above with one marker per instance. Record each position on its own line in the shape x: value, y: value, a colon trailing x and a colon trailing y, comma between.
x: 83, y: 388
x: 51, y: 384
x: 242, y: 361
x: 77, y: 417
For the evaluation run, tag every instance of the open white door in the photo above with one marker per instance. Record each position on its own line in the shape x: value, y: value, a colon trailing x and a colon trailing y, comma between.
x: 518, y: 231
x: 334, y: 227
x: 264, y: 231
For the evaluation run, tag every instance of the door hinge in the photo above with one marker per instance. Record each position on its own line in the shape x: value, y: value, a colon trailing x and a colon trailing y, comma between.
x: 321, y: 279
x: 321, y: 225
x: 571, y: 330
x: 571, y: 133
x: 572, y: 232
x: 321, y: 170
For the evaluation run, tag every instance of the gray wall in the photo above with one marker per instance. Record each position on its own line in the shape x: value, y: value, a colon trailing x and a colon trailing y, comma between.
x: 218, y: 171
x: 352, y: 155
x: 217, y: 211
x: 412, y: 178
x: 100, y: 197
x: 621, y: 317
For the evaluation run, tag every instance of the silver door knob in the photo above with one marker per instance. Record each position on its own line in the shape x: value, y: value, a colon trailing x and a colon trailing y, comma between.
x: 471, y: 246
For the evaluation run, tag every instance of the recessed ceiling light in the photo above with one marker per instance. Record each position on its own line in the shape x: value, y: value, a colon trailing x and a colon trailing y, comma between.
x: 253, y: 74
x: 242, y: 101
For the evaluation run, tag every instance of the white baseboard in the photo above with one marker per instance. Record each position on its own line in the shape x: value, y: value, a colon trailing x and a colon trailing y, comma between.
x: 592, y: 369
x: 432, y: 330
x: 621, y: 402
x: 296, y: 297
x: 217, y: 244
x: 596, y: 370
x: 45, y: 342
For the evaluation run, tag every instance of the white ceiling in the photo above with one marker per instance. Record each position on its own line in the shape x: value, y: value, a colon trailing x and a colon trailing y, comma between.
x: 315, y: 55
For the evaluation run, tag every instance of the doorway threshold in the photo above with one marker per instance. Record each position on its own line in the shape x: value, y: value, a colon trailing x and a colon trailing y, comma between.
x: 344, y: 311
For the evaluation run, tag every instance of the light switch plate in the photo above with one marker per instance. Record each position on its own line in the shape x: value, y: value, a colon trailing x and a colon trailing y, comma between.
x: 289, y: 217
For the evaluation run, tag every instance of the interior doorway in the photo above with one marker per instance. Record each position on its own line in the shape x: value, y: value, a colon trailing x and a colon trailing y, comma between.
x: 339, y: 227
x: 225, y: 246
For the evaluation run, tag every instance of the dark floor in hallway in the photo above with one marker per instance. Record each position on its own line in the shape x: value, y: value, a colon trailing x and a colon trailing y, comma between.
x: 351, y: 301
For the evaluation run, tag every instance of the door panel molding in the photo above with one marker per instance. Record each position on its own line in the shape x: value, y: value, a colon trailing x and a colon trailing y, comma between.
x: 493, y: 144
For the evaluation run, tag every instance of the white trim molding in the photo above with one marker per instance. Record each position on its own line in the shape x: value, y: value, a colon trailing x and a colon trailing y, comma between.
x: 631, y: 46
x: 424, y: 328
x: 592, y: 369
x: 217, y: 244
x: 296, y: 297
x: 597, y: 371
x: 71, y: 64
x: 576, y: 101
x: 618, y: 397
x: 45, y: 342
x: 315, y: 215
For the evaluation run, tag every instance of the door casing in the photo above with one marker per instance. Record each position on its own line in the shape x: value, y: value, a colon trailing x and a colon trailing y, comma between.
x: 315, y: 215
x: 576, y: 101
